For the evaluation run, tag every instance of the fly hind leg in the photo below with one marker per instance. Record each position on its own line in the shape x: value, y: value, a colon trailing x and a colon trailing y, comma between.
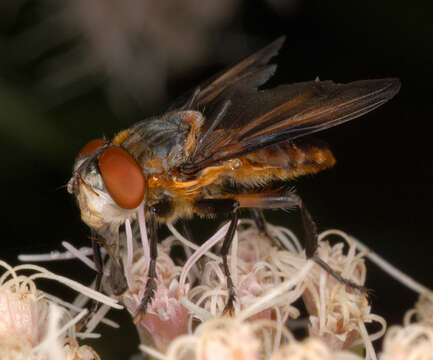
x: 224, y: 252
x: 289, y: 200
x: 259, y: 219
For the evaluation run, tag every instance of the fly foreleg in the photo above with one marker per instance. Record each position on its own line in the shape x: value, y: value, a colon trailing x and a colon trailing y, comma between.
x: 151, y: 286
x: 94, y: 305
x: 97, y: 259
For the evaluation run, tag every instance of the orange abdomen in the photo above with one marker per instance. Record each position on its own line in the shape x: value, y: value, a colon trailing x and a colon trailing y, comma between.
x: 284, y: 161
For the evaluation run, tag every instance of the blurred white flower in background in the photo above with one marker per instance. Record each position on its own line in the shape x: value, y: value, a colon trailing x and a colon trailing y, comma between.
x: 411, y: 342
x: 422, y: 312
x: 131, y: 47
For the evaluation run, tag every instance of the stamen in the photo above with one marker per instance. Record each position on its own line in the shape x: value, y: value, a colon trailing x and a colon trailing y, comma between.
x: 49, y: 343
x: 195, y: 309
x: 53, y: 255
x: 79, y: 255
x: 78, y: 309
x: 143, y: 235
x: 85, y: 336
x: 97, y: 318
x: 287, y: 238
x: 201, y: 251
x: 269, y: 299
x: 72, y: 322
x: 43, y: 273
x: 387, y: 267
x: 188, y: 243
x: 368, y: 346
x: 129, y: 252
x: 153, y: 353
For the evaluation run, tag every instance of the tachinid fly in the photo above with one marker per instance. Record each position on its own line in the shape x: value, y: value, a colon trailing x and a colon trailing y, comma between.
x: 216, y: 150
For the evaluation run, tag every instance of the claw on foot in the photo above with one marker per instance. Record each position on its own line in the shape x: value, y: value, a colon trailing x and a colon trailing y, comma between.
x: 139, y: 316
x: 350, y: 284
x: 149, y: 294
x: 274, y: 241
x: 229, y: 309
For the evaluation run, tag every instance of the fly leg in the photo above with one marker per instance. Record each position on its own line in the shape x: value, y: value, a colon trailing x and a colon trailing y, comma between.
x: 94, y: 305
x: 117, y: 279
x: 224, y: 206
x: 311, y: 244
x: 289, y: 200
x: 229, y: 309
x: 186, y: 230
x: 259, y: 219
x: 97, y: 259
x: 150, y: 290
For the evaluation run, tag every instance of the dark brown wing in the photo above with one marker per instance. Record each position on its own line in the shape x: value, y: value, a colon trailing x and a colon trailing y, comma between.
x: 213, y: 87
x: 241, y: 119
x: 262, y: 118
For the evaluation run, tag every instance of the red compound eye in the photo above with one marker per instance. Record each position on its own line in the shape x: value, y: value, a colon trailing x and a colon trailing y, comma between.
x: 122, y: 177
x: 91, y: 146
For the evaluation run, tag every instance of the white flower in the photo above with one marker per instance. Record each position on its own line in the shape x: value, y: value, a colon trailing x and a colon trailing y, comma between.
x: 32, y: 327
x: 412, y: 342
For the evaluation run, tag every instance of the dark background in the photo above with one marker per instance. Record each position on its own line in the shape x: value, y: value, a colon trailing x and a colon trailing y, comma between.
x: 380, y: 190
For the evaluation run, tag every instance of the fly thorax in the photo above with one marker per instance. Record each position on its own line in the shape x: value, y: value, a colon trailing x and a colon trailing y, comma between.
x: 163, y: 143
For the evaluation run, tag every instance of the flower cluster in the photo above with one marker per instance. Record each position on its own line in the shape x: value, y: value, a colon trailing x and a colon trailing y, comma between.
x: 37, y: 326
x: 270, y: 281
x: 186, y: 319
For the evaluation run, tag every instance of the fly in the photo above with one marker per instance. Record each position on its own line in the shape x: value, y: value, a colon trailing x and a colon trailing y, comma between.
x: 217, y: 150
